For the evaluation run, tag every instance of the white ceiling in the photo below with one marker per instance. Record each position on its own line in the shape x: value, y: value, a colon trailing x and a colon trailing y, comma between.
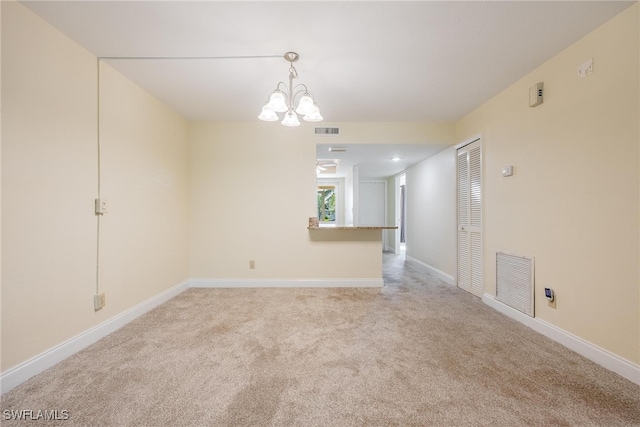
x: 375, y: 160
x: 395, y: 61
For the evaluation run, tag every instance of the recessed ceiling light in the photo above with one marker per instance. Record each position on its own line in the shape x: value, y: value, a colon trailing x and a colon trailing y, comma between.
x: 395, y: 159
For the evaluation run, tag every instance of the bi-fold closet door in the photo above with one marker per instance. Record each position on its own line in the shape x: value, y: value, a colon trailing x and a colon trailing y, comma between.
x: 469, y: 170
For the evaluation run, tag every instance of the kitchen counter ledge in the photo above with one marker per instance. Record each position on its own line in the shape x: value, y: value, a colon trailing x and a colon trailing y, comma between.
x: 351, y: 227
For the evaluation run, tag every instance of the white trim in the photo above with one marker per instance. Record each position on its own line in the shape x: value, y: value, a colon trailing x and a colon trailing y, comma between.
x: 602, y: 357
x: 37, y: 364
x: 447, y: 278
x: 286, y: 283
x: 398, y: 209
x: 468, y: 141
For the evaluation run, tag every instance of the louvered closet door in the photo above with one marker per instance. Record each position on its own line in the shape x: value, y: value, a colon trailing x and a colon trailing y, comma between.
x: 470, y: 218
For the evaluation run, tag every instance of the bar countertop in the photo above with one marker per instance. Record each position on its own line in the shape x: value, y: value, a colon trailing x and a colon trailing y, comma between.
x: 352, y: 227
x: 314, y: 225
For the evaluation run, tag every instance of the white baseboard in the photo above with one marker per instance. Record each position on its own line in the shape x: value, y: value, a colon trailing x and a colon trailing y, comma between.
x: 447, y: 278
x: 602, y: 357
x: 286, y: 283
x: 37, y: 364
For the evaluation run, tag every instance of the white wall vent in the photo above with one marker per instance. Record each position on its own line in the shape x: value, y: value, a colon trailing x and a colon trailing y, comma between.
x: 327, y: 131
x: 515, y: 282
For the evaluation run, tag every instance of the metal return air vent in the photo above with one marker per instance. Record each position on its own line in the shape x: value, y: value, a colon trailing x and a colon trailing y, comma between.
x: 327, y: 131
x: 514, y: 282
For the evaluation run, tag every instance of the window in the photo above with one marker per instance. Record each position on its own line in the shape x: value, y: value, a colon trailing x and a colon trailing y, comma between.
x: 327, y: 203
x: 330, y: 201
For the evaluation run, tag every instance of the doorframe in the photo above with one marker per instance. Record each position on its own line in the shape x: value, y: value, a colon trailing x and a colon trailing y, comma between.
x: 462, y: 144
x: 467, y: 142
x: 398, y: 209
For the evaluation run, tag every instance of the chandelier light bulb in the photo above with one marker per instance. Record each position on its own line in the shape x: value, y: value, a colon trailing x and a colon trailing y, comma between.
x: 277, y: 101
x: 291, y: 119
x: 268, y: 115
x: 305, y: 106
x: 314, y: 115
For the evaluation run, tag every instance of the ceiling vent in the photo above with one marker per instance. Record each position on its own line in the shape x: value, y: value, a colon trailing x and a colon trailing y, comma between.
x: 327, y: 131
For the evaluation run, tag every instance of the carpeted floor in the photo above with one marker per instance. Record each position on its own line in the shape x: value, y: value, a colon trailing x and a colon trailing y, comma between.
x: 416, y: 352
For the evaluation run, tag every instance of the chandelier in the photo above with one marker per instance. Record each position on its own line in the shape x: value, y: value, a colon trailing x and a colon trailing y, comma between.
x: 283, y: 98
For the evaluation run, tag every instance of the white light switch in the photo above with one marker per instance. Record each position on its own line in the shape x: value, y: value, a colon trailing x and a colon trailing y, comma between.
x: 507, y: 170
x: 585, y: 69
x: 102, y: 206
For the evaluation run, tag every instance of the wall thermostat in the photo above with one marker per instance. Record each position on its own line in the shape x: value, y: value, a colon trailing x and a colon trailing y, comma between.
x: 549, y: 294
x: 535, y: 95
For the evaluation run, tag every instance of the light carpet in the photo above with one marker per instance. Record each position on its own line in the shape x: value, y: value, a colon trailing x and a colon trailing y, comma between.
x: 417, y: 352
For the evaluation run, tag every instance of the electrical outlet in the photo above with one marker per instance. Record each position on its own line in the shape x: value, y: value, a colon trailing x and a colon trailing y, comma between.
x: 550, y: 295
x: 99, y: 301
x: 252, y: 265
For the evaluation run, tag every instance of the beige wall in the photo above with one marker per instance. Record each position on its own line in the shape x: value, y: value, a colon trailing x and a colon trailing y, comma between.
x: 50, y: 178
x: 392, y: 133
x: 253, y: 190
x: 431, y: 211
x: 144, y: 243
x: 572, y: 202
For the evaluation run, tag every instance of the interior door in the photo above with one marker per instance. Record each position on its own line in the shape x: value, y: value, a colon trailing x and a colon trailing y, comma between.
x: 469, y: 168
x: 372, y: 197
